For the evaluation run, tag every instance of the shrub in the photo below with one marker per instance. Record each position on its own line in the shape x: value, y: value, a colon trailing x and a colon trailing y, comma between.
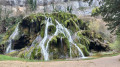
x: 116, y: 45
x: 95, y: 11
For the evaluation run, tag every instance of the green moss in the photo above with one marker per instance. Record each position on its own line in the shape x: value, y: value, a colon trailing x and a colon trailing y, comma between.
x: 13, y: 54
x: 51, y: 29
x: 21, y: 54
x: 61, y: 35
x: 54, y: 40
x: 66, y: 42
x: 32, y: 25
x: 82, y: 24
x: 83, y: 39
x: 42, y: 31
x: 62, y: 16
x: 70, y: 24
x: 74, y: 51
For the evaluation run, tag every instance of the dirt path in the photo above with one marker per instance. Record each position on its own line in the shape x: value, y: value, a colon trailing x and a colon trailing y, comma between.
x: 102, y: 62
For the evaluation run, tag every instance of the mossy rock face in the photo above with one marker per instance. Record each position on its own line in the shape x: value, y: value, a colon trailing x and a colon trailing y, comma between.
x: 84, y: 49
x: 36, y: 54
x: 32, y: 24
x: 82, y: 25
x: 62, y: 16
x: 70, y: 24
x: 51, y: 29
x: 32, y: 53
x: 58, y: 48
x: 75, y: 52
x: 83, y: 39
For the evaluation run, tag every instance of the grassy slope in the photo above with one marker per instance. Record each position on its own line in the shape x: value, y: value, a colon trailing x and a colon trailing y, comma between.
x: 8, y: 58
x: 3, y: 57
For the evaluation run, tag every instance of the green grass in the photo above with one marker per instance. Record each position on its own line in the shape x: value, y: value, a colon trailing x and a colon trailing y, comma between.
x: 9, y: 58
x: 95, y: 56
x: 3, y: 57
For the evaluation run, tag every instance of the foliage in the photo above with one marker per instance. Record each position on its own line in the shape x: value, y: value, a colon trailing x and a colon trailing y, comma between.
x: 110, y: 10
x: 71, y: 24
x: 116, y: 44
x: 95, y: 11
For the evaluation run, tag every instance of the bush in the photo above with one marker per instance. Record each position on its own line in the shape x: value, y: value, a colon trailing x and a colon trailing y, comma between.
x: 95, y: 11
x: 116, y: 45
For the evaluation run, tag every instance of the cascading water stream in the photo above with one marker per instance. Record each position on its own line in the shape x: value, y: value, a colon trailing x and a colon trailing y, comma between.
x: 12, y: 37
x: 71, y: 41
x: 42, y: 43
x: 59, y: 29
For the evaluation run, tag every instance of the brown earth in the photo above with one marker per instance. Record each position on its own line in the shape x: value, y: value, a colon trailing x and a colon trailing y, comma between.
x: 101, y: 62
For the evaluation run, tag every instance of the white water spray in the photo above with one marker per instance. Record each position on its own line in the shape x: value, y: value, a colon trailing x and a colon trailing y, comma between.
x: 12, y: 37
x: 42, y: 43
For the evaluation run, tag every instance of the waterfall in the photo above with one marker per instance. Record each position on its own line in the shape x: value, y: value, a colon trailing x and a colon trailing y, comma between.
x: 62, y: 29
x: 12, y: 37
x: 38, y: 38
x: 42, y: 43
x: 71, y: 41
x: 59, y: 29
